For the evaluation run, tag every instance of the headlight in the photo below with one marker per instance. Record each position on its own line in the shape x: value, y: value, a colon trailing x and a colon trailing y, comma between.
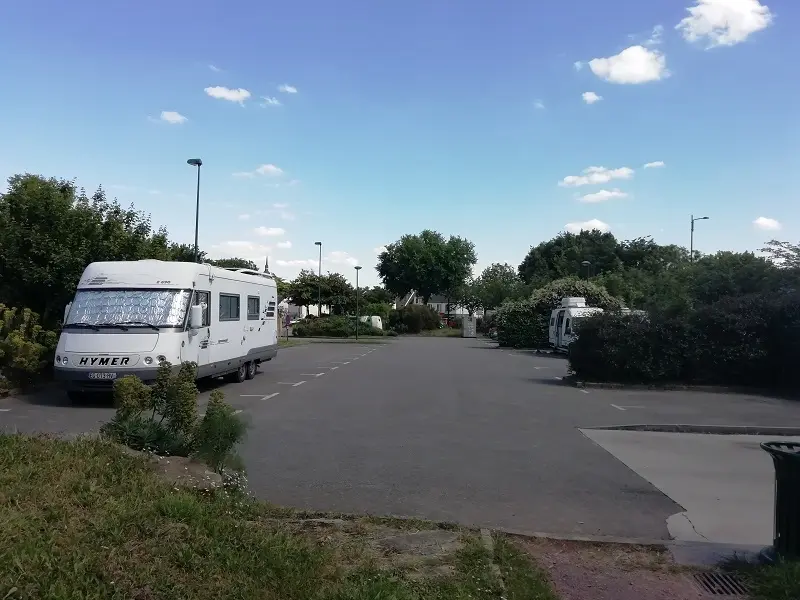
x: 58, y: 359
x: 161, y: 358
x: 148, y: 360
x: 64, y: 360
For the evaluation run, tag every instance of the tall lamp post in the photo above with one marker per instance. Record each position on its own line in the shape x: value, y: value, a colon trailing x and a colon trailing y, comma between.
x: 319, y: 281
x: 358, y: 316
x: 691, y: 236
x: 196, y: 162
x: 588, y: 266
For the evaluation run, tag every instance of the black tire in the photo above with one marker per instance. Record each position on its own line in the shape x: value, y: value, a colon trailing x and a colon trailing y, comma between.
x: 240, y: 375
x: 252, y: 367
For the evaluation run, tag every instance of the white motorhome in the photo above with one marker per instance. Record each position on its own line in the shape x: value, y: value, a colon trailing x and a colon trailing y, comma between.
x: 563, y: 321
x: 127, y: 317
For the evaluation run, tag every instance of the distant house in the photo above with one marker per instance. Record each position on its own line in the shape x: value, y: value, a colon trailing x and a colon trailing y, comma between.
x: 438, y: 303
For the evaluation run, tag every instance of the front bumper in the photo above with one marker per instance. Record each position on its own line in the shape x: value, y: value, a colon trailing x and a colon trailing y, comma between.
x: 86, y: 380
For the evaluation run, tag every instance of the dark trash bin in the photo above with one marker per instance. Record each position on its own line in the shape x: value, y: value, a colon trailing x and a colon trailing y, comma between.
x: 786, y: 539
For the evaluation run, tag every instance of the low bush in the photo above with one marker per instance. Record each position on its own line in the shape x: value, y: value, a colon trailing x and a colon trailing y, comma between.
x: 26, y: 348
x: 414, y: 318
x: 524, y: 323
x: 749, y: 340
x: 163, y: 419
x: 333, y: 326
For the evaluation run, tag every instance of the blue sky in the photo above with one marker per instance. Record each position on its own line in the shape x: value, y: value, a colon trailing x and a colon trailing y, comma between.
x: 356, y: 122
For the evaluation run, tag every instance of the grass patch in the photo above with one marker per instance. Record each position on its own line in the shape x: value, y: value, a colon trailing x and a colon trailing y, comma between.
x: 523, y: 579
x: 445, y: 332
x: 284, y: 343
x: 780, y: 581
x: 82, y: 519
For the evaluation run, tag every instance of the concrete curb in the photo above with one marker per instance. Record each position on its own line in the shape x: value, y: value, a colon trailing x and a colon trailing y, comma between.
x: 667, y: 387
x: 706, y: 429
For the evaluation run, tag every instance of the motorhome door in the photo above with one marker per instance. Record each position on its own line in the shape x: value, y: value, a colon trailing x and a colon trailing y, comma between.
x: 200, y: 342
x: 560, y: 328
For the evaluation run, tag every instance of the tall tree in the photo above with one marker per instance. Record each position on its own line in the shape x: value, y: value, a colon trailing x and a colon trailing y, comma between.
x: 783, y: 254
x: 499, y: 282
x: 377, y: 295
x: 564, y: 254
x: 337, y: 293
x: 302, y: 290
x: 470, y: 296
x: 234, y: 263
x: 427, y: 263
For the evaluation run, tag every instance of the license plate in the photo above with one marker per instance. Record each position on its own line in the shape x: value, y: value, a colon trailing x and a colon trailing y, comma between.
x: 102, y: 375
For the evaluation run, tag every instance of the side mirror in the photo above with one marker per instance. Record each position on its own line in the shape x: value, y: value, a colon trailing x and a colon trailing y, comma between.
x: 196, y: 317
x: 66, y: 312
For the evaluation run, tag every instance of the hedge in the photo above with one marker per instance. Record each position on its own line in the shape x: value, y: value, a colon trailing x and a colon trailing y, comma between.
x: 333, y: 326
x: 524, y: 323
x: 751, y: 340
x: 414, y: 318
x: 26, y: 348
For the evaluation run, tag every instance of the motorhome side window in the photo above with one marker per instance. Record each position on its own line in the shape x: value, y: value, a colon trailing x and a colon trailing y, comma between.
x: 229, y: 307
x: 253, y: 308
x: 204, y: 299
x: 567, y: 329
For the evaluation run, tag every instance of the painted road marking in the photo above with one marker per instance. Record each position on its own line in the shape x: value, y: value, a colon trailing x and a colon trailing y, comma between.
x: 250, y: 395
x: 236, y: 412
x: 333, y: 368
x: 4, y: 409
x: 537, y: 368
x: 268, y: 396
x: 559, y: 378
x: 584, y: 391
x: 346, y: 363
x: 312, y: 374
x: 624, y: 408
x: 298, y: 383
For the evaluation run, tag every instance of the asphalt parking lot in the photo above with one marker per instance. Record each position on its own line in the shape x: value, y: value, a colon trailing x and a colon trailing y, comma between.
x: 442, y: 428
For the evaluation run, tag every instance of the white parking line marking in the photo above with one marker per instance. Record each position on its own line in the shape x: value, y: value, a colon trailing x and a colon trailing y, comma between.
x: 288, y: 382
x: 618, y: 407
x: 298, y: 383
x: 236, y: 412
x: 625, y: 407
x: 559, y: 378
x: 333, y: 368
x: 250, y: 395
x: 346, y: 363
x: 268, y: 396
x: 584, y: 391
x: 4, y: 409
x: 537, y: 368
x: 312, y: 374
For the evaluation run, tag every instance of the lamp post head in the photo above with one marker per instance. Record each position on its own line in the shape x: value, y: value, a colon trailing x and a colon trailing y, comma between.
x: 358, y: 268
x: 318, y: 243
x: 195, y: 162
x: 586, y: 263
x: 702, y: 218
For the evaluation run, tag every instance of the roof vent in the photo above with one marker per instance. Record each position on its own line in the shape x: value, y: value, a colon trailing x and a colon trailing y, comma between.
x: 573, y: 303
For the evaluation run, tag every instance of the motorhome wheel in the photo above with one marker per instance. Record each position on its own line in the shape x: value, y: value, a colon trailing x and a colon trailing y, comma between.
x: 251, y: 369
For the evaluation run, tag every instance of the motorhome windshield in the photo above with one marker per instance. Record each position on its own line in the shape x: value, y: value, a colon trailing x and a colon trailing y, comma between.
x: 159, y: 308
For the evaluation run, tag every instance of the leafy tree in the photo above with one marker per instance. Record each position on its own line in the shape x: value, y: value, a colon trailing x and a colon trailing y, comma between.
x: 303, y: 290
x: 184, y: 253
x: 784, y: 254
x: 497, y: 283
x: 562, y: 257
x: 50, y: 231
x: 283, y: 288
x: 234, y: 263
x: 337, y: 293
x: 377, y: 295
x: 731, y: 274
x: 470, y: 296
x: 427, y: 263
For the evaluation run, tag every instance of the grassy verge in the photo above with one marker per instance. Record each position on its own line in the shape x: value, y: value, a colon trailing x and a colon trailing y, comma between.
x: 774, y: 582
x: 523, y: 580
x: 284, y: 343
x: 82, y: 519
x: 446, y: 332
x: 332, y: 340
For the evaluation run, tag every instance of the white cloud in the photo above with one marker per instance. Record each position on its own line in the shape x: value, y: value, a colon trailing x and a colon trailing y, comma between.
x: 724, y: 22
x: 172, y: 117
x: 222, y: 93
x: 302, y: 262
x: 587, y: 226
x: 578, y: 65
x: 280, y: 205
x: 215, y: 69
x: 270, y: 231
x: 594, y: 175
x: 287, y: 89
x: 270, y: 101
x: 270, y: 170
x: 591, y: 97
x: 339, y: 257
x: 654, y: 165
x: 767, y: 224
x: 284, y: 245
x: 655, y: 36
x: 244, y: 217
x: 635, y: 64
x: 538, y: 104
x: 379, y: 249
x: 603, y: 195
x: 241, y: 249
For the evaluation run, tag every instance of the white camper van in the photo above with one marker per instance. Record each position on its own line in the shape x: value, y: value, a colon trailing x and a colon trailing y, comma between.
x: 564, y: 319
x: 127, y: 317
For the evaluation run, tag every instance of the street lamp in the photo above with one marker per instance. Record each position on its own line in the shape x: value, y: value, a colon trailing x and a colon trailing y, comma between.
x: 588, y: 266
x: 358, y: 317
x: 196, y: 162
x: 691, y: 236
x: 319, y: 281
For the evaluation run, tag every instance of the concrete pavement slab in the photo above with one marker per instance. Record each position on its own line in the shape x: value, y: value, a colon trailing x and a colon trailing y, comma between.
x: 725, y: 483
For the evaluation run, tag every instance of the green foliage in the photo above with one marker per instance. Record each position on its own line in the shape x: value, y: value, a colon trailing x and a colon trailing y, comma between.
x: 498, y: 283
x: 746, y: 340
x: 163, y: 419
x: 470, y: 296
x: 338, y: 294
x: 377, y: 295
x: 427, y: 263
x: 377, y: 309
x: 524, y: 323
x: 218, y: 434
x: 784, y: 254
x: 303, y: 289
x: 26, y: 348
x: 234, y: 263
x: 333, y: 326
x: 414, y: 318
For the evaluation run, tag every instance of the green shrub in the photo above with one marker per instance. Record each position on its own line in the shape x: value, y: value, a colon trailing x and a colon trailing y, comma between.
x: 333, y: 326
x: 26, y: 349
x: 218, y: 434
x: 524, y: 323
x: 749, y: 340
x: 414, y: 318
x: 163, y: 419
